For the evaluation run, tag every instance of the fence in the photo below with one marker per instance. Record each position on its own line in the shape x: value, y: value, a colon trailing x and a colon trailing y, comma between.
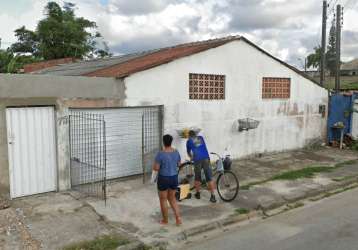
x: 88, y: 153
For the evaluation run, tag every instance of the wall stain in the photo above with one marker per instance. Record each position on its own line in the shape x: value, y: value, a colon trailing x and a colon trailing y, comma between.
x: 287, y: 109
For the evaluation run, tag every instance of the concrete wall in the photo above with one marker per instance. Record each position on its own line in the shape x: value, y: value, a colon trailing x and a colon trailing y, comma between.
x: 27, y: 85
x: 284, y: 123
x: 355, y: 120
x: 62, y: 93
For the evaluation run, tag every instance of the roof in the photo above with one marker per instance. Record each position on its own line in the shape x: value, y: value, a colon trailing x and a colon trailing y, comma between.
x: 352, y: 65
x: 85, y: 67
x: 123, y: 66
x: 37, y: 66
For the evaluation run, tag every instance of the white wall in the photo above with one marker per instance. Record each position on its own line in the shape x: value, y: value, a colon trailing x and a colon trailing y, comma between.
x: 355, y: 120
x: 284, y: 124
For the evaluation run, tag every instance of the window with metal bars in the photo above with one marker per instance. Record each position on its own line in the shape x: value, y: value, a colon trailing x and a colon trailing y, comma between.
x: 276, y: 87
x: 206, y: 87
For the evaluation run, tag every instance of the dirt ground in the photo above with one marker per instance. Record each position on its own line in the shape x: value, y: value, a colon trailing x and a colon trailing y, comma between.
x: 48, y: 221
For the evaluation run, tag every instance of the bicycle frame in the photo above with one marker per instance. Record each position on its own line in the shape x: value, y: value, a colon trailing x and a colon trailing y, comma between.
x: 222, y: 180
x: 214, y: 166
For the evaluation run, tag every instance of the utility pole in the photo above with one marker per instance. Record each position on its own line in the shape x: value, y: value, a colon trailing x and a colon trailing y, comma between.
x: 323, y: 44
x: 338, y: 48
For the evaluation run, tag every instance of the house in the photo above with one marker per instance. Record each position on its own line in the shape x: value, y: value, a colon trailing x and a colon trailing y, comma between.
x: 208, y: 84
x: 350, y: 68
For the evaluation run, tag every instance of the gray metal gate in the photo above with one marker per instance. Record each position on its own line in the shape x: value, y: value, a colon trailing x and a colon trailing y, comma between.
x: 88, y: 153
x: 152, y: 132
x: 133, y: 137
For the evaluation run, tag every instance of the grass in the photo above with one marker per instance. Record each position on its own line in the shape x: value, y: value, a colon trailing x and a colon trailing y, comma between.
x: 248, y: 186
x: 347, y: 82
x: 345, y: 163
x: 307, y: 172
x: 242, y: 210
x: 343, y: 178
x: 106, y: 242
x: 355, y: 146
x: 351, y: 86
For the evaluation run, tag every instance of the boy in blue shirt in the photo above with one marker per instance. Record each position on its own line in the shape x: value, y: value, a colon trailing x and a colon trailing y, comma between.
x: 198, y: 153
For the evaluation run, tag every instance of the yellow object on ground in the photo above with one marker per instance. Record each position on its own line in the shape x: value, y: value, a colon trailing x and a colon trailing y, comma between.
x: 184, y: 190
x: 186, y: 133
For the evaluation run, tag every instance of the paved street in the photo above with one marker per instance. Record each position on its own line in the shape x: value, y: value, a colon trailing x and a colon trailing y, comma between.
x: 328, y: 224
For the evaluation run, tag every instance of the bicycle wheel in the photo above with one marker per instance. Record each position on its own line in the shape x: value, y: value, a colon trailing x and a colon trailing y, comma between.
x: 227, y: 185
x: 186, y: 175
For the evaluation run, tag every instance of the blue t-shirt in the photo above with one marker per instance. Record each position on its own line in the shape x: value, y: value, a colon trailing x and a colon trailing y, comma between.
x: 197, y: 147
x: 168, y: 162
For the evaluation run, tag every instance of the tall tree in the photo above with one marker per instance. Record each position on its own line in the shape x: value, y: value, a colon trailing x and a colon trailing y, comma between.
x: 60, y: 34
x: 5, y: 58
x: 313, y: 60
x: 27, y: 41
x: 331, y: 50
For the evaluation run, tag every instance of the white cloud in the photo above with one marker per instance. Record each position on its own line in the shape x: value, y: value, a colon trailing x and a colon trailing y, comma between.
x: 287, y: 28
x: 11, y: 18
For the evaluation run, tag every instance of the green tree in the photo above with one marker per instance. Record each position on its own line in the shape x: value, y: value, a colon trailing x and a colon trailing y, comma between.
x: 60, y: 34
x: 5, y: 58
x: 27, y: 42
x: 18, y: 62
x: 314, y: 59
x: 11, y: 63
x: 331, y: 50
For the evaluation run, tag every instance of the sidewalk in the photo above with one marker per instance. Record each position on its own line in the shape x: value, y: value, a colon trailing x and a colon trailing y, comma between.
x: 54, y: 220
x: 134, y: 207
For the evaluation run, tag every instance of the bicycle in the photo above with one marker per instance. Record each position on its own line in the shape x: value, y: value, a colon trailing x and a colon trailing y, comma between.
x: 227, y: 183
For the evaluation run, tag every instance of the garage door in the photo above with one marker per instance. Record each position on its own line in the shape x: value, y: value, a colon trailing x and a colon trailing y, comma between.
x: 32, y: 150
x: 355, y: 120
x: 127, y: 129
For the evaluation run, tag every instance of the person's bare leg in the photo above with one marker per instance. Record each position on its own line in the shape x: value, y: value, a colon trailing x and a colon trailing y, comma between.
x: 197, y: 186
x: 173, y: 203
x: 211, y: 186
x: 163, y: 199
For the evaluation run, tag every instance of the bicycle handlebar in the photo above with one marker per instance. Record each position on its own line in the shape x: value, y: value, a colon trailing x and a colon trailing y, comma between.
x: 213, y: 153
x: 186, y: 163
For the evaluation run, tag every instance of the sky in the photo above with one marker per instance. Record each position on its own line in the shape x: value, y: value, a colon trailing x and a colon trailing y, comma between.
x: 288, y: 29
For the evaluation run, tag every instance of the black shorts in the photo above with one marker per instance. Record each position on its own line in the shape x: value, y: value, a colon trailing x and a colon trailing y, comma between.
x: 167, y: 182
x: 203, y: 164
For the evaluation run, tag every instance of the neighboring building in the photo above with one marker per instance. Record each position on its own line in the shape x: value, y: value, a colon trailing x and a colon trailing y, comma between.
x: 315, y: 74
x: 347, y: 69
x: 350, y: 68
x: 209, y: 84
x: 312, y: 73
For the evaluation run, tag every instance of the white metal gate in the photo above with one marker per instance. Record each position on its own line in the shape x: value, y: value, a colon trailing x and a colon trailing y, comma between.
x: 32, y: 150
x: 133, y: 135
x: 355, y: 120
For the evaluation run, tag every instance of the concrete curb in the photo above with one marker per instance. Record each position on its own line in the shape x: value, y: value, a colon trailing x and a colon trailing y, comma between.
x: 233, y: 219
x: 195, y: 231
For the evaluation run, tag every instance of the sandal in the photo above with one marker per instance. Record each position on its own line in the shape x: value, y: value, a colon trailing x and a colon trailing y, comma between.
x: 163, y: 222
